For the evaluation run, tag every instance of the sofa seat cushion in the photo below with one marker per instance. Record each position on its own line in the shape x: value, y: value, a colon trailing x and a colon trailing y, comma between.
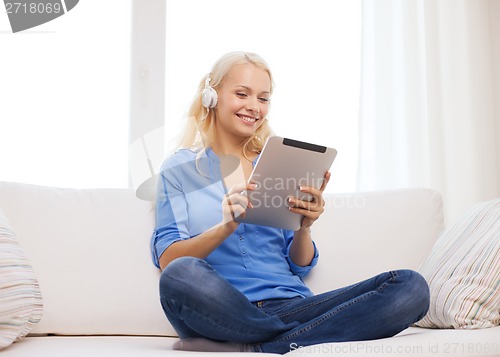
x: 463, y: 272
x: 104, y: 346
x: 20, y: 296
x: 412, y: 342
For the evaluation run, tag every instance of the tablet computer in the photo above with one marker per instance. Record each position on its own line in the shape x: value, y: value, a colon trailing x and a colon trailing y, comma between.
x: 282, y: 167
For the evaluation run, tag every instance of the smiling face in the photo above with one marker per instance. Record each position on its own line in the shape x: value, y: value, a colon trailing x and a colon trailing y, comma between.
x: 243, y: 102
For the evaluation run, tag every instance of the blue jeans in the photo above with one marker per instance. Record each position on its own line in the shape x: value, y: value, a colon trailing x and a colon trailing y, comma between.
x: 198, y: 302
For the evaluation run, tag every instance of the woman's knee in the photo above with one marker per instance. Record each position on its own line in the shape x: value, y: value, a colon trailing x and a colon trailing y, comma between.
x: 416, y: 291
x: 182, y: 265
x: 180, y: 272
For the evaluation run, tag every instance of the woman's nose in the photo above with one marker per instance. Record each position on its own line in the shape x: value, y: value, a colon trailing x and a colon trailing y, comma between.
x: 253, y: 106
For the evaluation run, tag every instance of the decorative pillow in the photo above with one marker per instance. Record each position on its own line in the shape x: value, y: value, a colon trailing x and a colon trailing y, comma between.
x: 20, y: 297
x: 463, y: 272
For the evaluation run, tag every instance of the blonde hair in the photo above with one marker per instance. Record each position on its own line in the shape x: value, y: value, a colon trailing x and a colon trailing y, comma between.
x: 199, y: 131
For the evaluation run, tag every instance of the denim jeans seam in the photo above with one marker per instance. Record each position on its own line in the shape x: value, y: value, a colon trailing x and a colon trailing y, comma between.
x: 382, y: 287
x: 320, y: 321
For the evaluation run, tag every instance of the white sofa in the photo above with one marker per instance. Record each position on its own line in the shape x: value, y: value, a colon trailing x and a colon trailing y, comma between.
x: 90, y: 252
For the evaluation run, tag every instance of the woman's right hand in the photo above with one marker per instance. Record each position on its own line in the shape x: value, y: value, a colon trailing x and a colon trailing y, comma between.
x: 235, y: 204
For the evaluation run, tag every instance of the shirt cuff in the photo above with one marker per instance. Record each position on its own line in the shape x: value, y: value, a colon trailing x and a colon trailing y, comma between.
x: 302, y: 271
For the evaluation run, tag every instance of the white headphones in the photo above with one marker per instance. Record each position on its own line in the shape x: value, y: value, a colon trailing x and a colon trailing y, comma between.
x: 209, y: 95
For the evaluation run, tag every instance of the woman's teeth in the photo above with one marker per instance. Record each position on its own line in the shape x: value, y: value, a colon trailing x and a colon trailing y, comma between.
x: 248, y: 119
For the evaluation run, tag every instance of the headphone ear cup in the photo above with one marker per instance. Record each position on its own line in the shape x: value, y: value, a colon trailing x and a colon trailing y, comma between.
x: 209, y: 97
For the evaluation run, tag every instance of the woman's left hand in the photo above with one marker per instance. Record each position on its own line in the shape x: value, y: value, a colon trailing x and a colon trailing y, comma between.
x: 311, y: 210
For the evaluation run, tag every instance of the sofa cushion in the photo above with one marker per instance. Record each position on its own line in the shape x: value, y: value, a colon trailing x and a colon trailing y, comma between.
x: 413, y: 342
x: 365, y: 233
x: 463, y: 272
x: 90, y: 249
x: 20, y: 296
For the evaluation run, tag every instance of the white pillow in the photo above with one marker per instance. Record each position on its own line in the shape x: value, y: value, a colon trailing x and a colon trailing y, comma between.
x: 20, y: 297
x: 463, y: 272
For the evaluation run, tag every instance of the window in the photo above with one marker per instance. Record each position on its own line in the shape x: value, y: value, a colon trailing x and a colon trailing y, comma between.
x: 312, y: 47
x: 64, y: 118
x: 65, y: 98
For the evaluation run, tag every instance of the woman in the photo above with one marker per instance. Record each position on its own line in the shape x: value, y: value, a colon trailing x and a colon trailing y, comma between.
x: 229, y: 286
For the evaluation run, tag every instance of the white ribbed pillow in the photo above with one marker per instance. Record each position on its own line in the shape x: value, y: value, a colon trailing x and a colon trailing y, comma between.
x: 463, y: 272
x: 20, y: 297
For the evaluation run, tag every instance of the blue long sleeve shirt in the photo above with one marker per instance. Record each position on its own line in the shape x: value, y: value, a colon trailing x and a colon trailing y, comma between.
x: 254, y: 259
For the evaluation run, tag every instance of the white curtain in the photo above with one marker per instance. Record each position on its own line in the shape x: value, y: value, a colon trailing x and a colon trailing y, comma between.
x: 428, y: 95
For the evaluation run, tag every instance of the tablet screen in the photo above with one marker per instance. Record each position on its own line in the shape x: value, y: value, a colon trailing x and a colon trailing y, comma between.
x: 283, y: 166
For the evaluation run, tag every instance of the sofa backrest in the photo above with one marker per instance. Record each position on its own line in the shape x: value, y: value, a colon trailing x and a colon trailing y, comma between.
x: 363, y: 234
x: 90, y: 250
